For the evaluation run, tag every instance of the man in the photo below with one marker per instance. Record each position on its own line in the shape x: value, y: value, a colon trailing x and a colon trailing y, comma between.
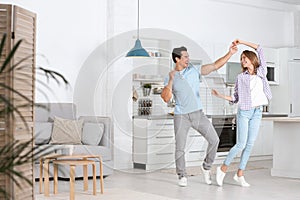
x: 184, y: 83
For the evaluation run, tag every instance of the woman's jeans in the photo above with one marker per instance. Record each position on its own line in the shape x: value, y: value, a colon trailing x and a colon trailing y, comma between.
x: 248, y: 122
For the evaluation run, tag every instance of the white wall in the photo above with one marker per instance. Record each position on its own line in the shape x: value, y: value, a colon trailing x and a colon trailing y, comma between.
x: 216, y: 21
x: 67, y: 32
x: 73, y: 36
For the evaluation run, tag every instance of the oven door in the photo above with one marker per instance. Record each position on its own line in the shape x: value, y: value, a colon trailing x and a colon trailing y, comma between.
x: 227, y: 135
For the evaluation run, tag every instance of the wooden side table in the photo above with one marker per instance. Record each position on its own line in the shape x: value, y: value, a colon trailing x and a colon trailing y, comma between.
x: 44, y: 167
x: 73, y: 164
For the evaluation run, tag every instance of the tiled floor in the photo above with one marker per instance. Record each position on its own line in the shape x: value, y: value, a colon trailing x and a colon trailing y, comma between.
x: 263, y: 185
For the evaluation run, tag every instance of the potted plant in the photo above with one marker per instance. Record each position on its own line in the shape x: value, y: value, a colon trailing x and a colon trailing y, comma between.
x: 146, y: 89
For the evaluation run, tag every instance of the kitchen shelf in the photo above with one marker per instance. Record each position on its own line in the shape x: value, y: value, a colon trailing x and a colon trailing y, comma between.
x: 143, y: 80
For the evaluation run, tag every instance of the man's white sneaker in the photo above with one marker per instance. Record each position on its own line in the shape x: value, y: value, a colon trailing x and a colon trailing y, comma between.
x: 220, y: 176
x: 241, y: 180
x: 182, y: 182
x: 206, y: 174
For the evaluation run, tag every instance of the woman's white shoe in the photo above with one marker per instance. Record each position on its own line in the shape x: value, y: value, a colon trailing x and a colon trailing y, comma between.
x: 241, y: 180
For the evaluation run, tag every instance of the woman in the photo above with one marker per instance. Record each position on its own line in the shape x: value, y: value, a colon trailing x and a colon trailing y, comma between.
x: 251, y: 92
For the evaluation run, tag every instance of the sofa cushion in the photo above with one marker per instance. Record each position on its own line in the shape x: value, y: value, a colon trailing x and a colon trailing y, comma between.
x: 43, y: 132
x: 92, y: 133
x: 66, y: 131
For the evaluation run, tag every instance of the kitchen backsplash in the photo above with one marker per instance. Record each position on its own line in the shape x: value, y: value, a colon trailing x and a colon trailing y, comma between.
x: 211, y: 104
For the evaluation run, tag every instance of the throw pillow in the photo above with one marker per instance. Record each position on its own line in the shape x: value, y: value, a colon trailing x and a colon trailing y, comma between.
x: 92, y: 133
x: 66, y: 131
x: 43, y: 132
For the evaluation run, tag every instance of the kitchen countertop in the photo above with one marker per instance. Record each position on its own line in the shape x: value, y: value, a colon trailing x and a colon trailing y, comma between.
x: 153, y: 117
x: 274, y: 115
x: 271, y: 116
x: 286, y: 119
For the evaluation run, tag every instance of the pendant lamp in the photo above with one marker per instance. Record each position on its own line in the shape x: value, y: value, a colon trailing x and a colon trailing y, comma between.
x: 138, y: 50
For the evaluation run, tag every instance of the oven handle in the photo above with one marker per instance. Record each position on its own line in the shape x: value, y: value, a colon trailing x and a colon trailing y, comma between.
x: 225, y: 126
x: 232, y: 127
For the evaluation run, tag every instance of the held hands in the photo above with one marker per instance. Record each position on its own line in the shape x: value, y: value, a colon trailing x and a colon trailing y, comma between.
x: 250, y: 44
x: 233, y: 48
x: 237, y: 42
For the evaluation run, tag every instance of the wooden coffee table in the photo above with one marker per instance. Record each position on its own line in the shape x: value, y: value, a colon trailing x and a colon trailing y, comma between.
x: 44, y: 167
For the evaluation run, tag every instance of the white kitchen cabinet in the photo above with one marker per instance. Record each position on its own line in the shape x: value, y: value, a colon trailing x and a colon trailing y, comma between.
x: 195, y: 148
x: 263, y: 145
x: 271, y: 54
x: 286, y: 162
x: 154, y: 144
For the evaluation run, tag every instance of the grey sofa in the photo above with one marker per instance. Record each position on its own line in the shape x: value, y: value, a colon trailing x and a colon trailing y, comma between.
x: 44, y: 120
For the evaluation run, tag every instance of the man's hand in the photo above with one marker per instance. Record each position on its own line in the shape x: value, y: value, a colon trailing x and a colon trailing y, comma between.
x: 233, y: 48
x: 166, y: 93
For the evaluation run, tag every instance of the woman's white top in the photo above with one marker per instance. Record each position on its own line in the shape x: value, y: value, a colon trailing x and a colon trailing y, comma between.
x: 258, y: 96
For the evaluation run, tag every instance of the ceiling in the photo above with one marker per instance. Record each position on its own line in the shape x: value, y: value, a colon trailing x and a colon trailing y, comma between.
x: 293, y: 2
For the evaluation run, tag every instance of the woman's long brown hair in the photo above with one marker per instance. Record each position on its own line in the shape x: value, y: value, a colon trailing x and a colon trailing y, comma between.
x: 253, y: 59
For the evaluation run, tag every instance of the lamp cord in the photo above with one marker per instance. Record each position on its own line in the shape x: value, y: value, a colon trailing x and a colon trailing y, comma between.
x: 138, y: 20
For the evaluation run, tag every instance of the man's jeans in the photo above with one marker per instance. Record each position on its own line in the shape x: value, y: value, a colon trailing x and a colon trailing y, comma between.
x: 198, y: 121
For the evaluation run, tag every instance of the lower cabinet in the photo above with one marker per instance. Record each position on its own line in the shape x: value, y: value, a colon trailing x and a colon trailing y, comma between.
x: 154, y: 144
x: 195, y: 147
x: 263, y: 145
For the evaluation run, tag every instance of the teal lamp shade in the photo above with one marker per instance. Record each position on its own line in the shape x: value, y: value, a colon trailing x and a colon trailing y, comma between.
x: 137, y: 50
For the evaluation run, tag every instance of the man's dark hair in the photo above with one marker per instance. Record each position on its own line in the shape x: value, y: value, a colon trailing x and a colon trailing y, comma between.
x: 177, y: 52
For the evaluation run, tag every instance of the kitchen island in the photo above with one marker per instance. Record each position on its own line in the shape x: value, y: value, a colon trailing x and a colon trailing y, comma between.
x: 286, y: 147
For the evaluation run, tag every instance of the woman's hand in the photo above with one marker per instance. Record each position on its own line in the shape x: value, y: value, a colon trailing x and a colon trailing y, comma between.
x: 215, y: 93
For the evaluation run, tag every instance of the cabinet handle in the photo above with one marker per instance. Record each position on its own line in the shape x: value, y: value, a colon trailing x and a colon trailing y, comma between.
x: 196, y: 151
x: 221, y: 156
x: 160, y: 154
x: 196, y: 135
x: 225, y: 126
x: 164, y: 137
x: 168, y: 124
